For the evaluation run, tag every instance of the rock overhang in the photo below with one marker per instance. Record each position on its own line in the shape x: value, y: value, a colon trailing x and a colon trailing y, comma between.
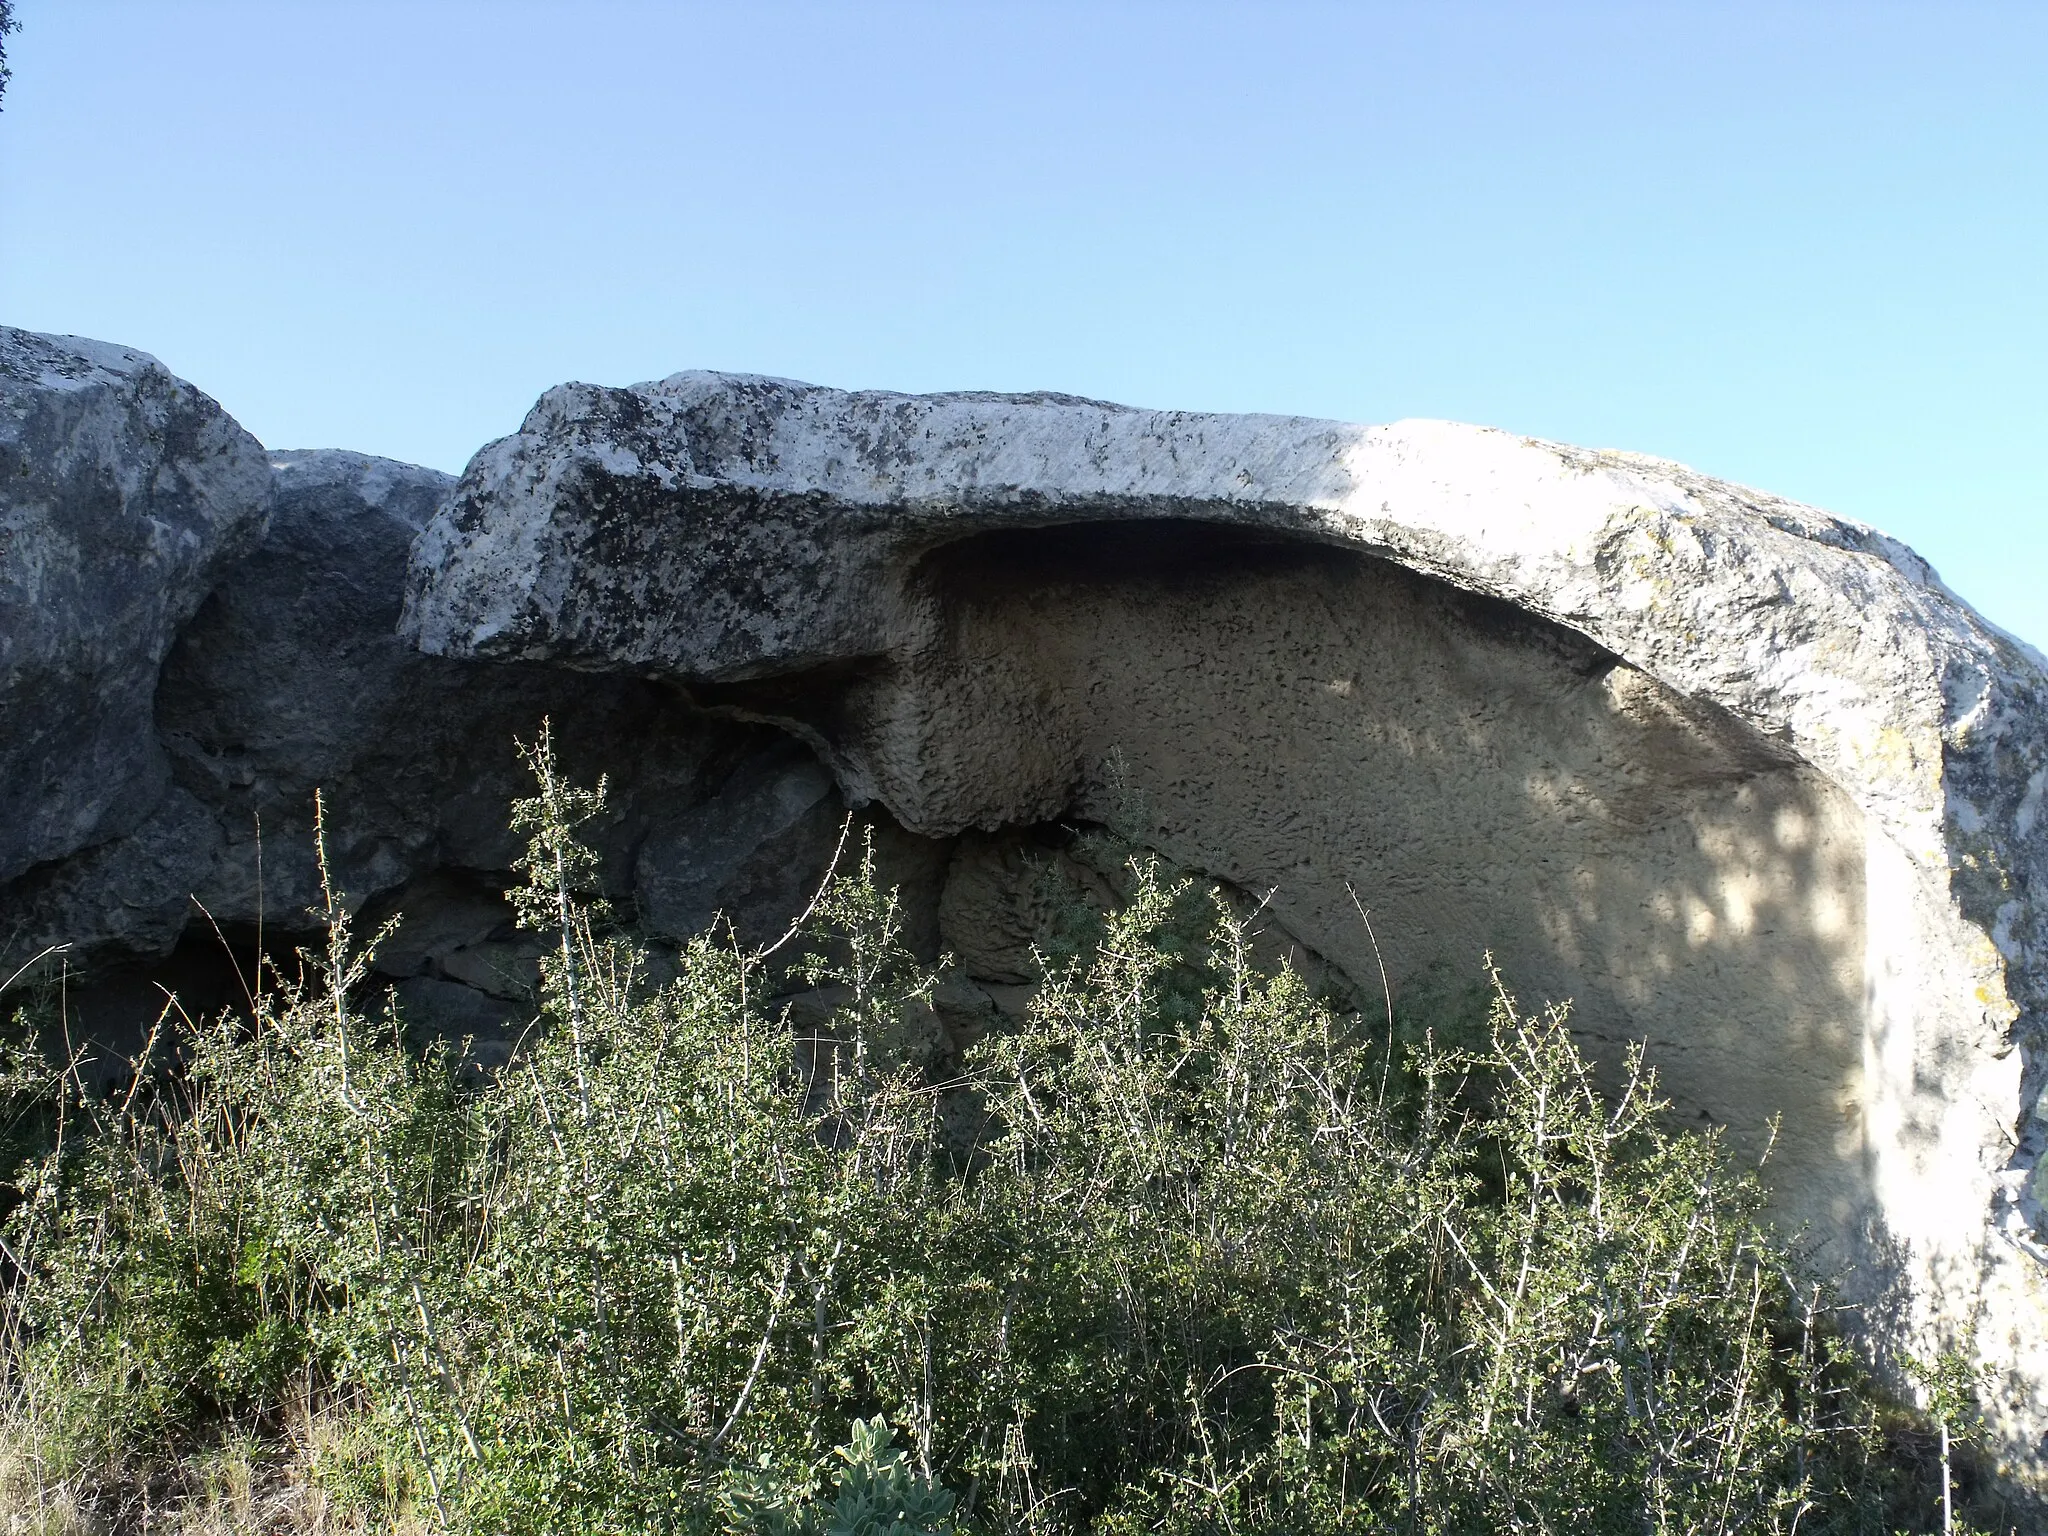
x: 728, y: 525
x: 741, y: 535
x: 1742, y: 778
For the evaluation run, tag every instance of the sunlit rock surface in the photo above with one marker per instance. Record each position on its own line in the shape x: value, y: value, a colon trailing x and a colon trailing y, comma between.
x: 1741, y: 779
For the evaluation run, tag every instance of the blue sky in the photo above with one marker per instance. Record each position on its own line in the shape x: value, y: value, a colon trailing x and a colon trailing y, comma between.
x: 1803, y: 246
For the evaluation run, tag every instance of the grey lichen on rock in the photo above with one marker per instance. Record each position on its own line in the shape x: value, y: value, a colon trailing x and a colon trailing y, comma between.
x: 124, y: 493
x: 1742, y: 779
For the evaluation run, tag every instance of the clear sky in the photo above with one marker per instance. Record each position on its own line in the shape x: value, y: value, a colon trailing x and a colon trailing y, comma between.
x: 1799, y: 245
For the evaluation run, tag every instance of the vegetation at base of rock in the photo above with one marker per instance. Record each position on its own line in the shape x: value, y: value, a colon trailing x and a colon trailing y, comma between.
x: 1189, y: 1250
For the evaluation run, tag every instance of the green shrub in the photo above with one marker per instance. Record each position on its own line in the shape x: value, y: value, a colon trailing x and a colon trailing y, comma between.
x: 1212, y: 1256
x: 874, y: 1493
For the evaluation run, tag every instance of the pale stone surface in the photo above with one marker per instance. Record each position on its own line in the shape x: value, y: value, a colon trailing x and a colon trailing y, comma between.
x: 124, y: 492
x: 1740, y: 778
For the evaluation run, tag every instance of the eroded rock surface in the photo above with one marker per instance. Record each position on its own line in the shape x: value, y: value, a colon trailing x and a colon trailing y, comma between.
x: 1740, y: 778
x: 288, y: 678
x: 126, y: 493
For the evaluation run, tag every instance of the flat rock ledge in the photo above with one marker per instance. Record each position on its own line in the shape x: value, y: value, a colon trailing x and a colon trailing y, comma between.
x: 1740, y: 778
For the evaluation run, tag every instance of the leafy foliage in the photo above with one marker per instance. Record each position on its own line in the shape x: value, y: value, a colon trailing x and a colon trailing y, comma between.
x: 7, y: 24
x: 1210, y: 1256
x: 875, y: 1493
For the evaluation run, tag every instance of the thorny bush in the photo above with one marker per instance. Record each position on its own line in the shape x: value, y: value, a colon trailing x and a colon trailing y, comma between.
x: 1188, y: 1250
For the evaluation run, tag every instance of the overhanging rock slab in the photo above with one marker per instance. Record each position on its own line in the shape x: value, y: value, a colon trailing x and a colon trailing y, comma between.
x: 1738, y: 777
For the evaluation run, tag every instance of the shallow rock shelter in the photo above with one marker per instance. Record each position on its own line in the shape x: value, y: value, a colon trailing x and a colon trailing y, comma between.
x: 1741, y: 780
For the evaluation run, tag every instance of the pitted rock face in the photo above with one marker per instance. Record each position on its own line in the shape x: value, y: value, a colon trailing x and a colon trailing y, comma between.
x: 1740, y: 778
x: 124, y: 493
x: 290, y: 680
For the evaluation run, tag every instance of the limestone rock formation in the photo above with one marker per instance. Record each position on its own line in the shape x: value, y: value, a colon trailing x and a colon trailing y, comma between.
x: 291, y: 679
x: 176, y: 693
x: 127, y: 493
x: 1741, y: 779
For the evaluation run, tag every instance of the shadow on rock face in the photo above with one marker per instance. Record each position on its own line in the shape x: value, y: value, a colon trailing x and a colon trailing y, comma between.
x: 1741, y: 780
x: 124, y: 495
x: 1309, y: 721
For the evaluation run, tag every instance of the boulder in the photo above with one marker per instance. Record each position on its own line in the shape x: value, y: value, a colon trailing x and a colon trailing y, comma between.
x: 124, y: 493
x: 287, y: 679
x: 291, y: 679
x: 1741, y: 779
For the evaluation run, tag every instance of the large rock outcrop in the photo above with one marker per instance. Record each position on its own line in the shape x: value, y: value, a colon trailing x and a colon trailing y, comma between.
x: 126, y: 493
x: 177, y: 691
x: 1739, y: 778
